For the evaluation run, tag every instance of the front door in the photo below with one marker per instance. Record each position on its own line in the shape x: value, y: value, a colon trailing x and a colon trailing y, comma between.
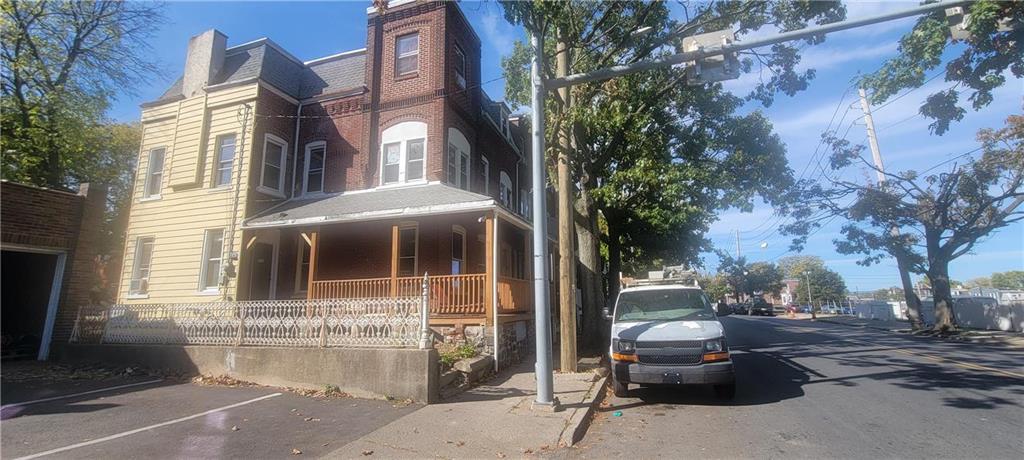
x: 261, y: 276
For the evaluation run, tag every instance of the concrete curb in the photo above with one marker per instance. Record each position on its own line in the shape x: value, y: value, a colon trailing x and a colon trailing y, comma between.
x: 580, y: 419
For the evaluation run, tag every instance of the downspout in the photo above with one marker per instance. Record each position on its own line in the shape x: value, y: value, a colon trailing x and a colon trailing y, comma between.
x: 295, y: 140
x: 494, y: 287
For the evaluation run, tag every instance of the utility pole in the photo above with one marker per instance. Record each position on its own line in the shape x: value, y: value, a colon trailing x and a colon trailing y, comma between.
x: 737, y: 243
x: 566, y: 243
x: 810, y: 300
x: 913, y: 301
x: 542, y: 308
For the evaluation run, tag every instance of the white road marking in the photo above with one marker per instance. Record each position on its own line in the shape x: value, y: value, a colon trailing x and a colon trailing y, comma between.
x: 145, y: 428
x: 75, y: 395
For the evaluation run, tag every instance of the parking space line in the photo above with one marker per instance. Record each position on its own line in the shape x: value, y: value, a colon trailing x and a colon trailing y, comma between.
x: 146, y: 428
x: 75, y: 395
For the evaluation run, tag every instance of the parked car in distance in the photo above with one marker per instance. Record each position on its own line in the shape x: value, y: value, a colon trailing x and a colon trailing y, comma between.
x: 742, y: 308
x: 761, y: 307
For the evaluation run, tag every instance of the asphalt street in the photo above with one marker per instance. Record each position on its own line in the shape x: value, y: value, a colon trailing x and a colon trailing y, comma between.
x: 162, y: 419
x: 817, y: 390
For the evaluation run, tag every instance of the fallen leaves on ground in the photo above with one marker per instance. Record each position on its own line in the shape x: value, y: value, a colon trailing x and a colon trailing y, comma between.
x: 296, y: 452
x: 221, y: 380
x: 367, y: 452
x: 41, y: 371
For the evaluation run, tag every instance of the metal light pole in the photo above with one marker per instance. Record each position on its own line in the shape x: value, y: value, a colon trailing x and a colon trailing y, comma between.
x: 542, y: 311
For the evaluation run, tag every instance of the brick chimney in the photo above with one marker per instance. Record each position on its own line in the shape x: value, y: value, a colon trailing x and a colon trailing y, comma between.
x: 204, y: 60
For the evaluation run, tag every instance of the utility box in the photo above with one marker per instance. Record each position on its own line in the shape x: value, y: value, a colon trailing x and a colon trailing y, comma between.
x: 713, y: 68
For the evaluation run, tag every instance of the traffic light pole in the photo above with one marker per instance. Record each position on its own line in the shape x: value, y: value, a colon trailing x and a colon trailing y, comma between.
x: 541, y: 296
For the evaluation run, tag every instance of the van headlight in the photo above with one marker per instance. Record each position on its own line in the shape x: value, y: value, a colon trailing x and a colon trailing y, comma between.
x: 714, y: 345
x: 625, y: 346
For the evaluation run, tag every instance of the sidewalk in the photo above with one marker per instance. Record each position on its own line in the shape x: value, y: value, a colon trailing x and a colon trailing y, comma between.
x: 1014, y: 339
x: 493, y: 420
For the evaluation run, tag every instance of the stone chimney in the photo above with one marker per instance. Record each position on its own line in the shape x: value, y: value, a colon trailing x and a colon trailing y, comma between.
x: 204, y: 60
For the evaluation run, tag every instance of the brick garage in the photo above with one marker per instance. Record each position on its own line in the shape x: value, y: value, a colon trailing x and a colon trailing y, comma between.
x: 45, y: 232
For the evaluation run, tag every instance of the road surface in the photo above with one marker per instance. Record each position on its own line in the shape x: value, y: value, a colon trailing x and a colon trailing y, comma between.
x: 817, y: 390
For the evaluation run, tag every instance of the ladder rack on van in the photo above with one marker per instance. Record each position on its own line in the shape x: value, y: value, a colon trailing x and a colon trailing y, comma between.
x: 670, y: 275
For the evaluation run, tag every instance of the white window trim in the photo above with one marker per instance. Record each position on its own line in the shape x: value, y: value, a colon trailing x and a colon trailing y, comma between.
x: 305, y: 173
x: 462, y: 231
x: 402, y: 133
x: 279, y: 192
x: 486, y: 165
x: 416, y: 239
x: 202, y: 268
x: 408, y: 54
x: 135, y: 266
x: 216, y: 161
x: 502, y: 185
x: 149, y: 175
x: 458, y: 140
x: 301, y: 246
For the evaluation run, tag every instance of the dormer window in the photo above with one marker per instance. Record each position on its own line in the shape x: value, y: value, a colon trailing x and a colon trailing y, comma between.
x: 504, y: 122
x: 407, y: 54
x: 460, y: 67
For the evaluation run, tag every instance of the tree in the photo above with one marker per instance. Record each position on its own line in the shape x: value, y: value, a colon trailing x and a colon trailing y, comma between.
x: 1013, y: 279
x: 795, y: 266
x: 979, y: 282
x: 715, y: 286
x: 734, y: 271
x: 63, y: 63
x: 654, y: 159
x: 764, y: 278
x: 826, y: 286
x: 944, y: 214
x: 894, y: 293
x: 995, y: 44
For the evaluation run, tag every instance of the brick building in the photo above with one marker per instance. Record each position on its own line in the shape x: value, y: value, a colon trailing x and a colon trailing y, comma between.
x: 48, y: 242
x: 263, y: 176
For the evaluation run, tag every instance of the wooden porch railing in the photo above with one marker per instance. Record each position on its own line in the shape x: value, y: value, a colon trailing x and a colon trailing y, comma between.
x: 449, y: 294
x: 513, y: 295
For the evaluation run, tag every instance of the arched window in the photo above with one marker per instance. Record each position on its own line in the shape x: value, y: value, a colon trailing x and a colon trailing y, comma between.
x: 403, y: 153
x: 458, y: 159
x: 506, y: 191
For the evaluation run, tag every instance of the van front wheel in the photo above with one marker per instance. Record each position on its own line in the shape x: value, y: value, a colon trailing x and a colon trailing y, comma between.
x: 620, y: 389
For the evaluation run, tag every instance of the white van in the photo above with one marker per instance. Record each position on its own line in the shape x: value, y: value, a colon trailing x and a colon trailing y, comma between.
x: 667, y: 333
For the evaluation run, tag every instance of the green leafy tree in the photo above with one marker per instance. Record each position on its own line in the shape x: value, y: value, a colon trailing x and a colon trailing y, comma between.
x: 63, y: 64
x: 734, y: 271
x: 995, y: 45
x: 1013, y: 279
x: 826, y: 286
x: 764, y: 278
x: 715, y: 286
x: 655, y: 159
x: 890, y: 294
x: 795, y: 266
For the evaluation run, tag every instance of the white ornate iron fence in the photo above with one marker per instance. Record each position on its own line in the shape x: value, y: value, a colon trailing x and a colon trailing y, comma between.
x: 371, y: 322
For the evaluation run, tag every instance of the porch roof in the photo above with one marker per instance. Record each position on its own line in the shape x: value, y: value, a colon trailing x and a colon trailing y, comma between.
x: 375, y: 204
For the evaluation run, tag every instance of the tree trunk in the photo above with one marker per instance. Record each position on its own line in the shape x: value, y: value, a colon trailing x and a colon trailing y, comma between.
x: 938, y: 274
x: 566, y: 245
x: 592, y: 334
x: 913, y: 302
x: 614, y: 258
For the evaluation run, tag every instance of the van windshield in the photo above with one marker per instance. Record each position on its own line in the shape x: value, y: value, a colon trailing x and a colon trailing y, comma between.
x: 663, y: 305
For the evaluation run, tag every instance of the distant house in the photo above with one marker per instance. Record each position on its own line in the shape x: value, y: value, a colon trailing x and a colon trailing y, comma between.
x: 262, y: 176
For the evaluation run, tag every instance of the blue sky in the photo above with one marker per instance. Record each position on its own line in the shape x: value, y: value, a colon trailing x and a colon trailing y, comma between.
x: 314, y: 29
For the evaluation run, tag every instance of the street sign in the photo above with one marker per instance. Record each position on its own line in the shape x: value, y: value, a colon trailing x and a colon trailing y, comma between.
x: 712, y: 68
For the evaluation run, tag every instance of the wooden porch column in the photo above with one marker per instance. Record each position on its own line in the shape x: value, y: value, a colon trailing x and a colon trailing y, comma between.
x: 314, y: 248
x: 491, y: 268
x: 394, y: 260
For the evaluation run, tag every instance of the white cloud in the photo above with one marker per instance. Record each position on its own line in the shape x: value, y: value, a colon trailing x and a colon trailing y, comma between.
x: 500, y: 35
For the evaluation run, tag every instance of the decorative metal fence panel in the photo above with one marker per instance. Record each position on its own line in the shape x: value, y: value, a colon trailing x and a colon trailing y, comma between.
x: 369, y: 322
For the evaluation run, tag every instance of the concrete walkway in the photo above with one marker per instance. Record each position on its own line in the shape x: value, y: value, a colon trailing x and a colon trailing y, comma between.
x: 493, y: 420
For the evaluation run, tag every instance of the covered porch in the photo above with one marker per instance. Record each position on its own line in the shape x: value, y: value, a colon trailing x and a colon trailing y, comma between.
x: 474, y: 254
